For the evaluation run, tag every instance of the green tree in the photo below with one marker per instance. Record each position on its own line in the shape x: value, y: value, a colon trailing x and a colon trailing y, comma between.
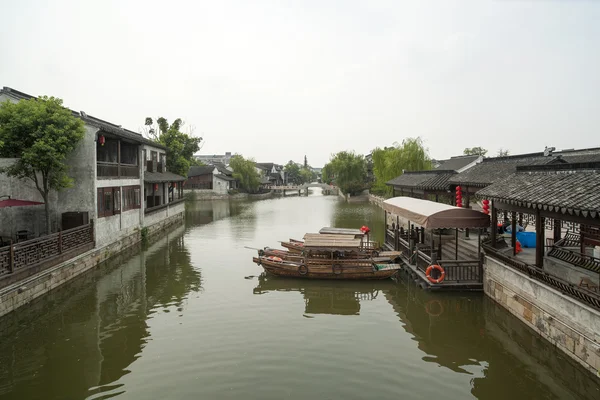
x: 475, y: 151
x: 244, y: 171
x: 307, y: 175
x: 41, y: 133
x: 292, y: 171
x: 180, y: 146
x: 348, y: 170
x: 390, y: 162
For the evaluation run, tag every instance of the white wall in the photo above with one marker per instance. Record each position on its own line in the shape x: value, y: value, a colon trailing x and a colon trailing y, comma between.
x: 220, y: 186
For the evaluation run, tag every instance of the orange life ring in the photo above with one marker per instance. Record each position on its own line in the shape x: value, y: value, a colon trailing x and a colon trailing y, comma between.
x: 273, y: 258
x: 431, y: 268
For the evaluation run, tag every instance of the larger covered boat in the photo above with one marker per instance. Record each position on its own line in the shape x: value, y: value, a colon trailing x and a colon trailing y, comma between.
x: 330, y: 256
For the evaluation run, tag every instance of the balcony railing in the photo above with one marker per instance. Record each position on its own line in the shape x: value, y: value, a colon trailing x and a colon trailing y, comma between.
x: 585, y: 296
x: 112, y: 170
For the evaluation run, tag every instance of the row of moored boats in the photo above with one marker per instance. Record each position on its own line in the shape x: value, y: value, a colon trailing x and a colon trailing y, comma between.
x: 333, y: 253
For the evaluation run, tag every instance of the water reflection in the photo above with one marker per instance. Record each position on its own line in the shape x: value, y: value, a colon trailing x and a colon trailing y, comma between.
x: 469, y: 334
x: 324, y: 297
x: 204, y: 212
x: 87, y: 333
x: 354, y: 215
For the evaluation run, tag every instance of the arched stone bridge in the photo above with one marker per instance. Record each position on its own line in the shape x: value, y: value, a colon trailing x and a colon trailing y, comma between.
x: 303, y: 186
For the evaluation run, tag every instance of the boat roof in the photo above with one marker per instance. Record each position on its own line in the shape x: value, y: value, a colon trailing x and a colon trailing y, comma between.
x: 329, y: 236
x: 324, y: 242
x: 432, y: 215
x: 340, y: 231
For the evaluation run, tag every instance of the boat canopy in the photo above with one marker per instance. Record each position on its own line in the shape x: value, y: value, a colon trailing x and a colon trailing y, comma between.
x: 341, y: 231
x: 309, y: 236
x: 432, y: 215
x: 324, y: 242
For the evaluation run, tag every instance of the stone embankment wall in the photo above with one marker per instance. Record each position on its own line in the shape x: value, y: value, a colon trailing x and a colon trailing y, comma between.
x: 568, y: 324
x: 21, y: 293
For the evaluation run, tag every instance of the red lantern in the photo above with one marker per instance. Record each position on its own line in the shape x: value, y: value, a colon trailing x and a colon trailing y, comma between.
x: 486, y: 206
x: 101, y: 140
x: 156, y: 187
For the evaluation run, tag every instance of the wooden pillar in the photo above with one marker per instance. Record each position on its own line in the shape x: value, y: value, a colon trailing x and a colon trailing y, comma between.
x: 494, y: 230
x: 581, y: 239
x: 539, y: 240
x: 557, y: 230
x: 119, y: 157
x: 424, y: 195
x: 385, y: 220
x: 468, y: 199
x: 11, y: 258
x: 456, y: 243
x: 436, y: 197
x: 521, y: 219
x: 513, y: 234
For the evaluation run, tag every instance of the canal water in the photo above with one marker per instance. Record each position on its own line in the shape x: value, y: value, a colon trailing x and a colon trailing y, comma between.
x: 191, y: 316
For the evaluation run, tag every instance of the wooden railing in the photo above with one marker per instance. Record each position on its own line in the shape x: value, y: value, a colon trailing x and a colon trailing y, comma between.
x: 20, y: 256
x: 575, y: 258
x: 585, y: 296
x: 570, y: 240
x: 115, y: 170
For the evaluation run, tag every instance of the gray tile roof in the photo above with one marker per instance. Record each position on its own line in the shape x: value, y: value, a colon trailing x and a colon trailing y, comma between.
x: 456, y: 163
x: 566, y: 188
x: 158, y: 177
x: 225, y: 177
x: 200, y: 170
x: 493, y: 169
x: 426, y: 180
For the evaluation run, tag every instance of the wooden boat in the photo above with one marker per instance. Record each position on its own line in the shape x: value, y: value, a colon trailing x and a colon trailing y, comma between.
x: 327, y: 257
x: 342, y: 269
x: 361, y: 246
x: 384, y: 256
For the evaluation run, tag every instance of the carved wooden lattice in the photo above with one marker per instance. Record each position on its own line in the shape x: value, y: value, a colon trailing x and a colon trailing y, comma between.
x: 34, y: 251
x: 75, y: 238
x: 5, y: 261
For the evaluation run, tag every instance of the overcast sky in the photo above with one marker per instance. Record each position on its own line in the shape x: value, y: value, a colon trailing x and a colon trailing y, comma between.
x: 275, y: 80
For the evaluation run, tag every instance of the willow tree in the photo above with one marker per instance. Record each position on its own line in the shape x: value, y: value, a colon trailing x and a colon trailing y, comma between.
x: 348, y: 170
x: 244, y: 171
x: 41, y: 134
x: 390, y: 162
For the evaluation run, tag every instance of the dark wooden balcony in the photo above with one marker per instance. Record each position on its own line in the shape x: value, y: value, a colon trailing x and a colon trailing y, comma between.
x: 155, y: 166
x: 116, y: 170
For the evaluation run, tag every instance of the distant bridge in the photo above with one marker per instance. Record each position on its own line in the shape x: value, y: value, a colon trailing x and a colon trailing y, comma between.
x: 302, y: 187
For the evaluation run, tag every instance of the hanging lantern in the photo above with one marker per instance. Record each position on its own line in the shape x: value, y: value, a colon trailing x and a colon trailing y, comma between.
x: 101, y: 140
x: 156, y: 187
x: 486, y: 206
x: 459, y: 197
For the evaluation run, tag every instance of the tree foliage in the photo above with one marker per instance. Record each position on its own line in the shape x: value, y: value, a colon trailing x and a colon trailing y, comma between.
x: 503, y: 152
x: 348, y: 170
x: 298, y: 175
x: 390, y: 162
x: 475, y: 151
x: 180, y: 146
x: 41, y: 133
x: 244, y: 171
x: 292, y: 172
